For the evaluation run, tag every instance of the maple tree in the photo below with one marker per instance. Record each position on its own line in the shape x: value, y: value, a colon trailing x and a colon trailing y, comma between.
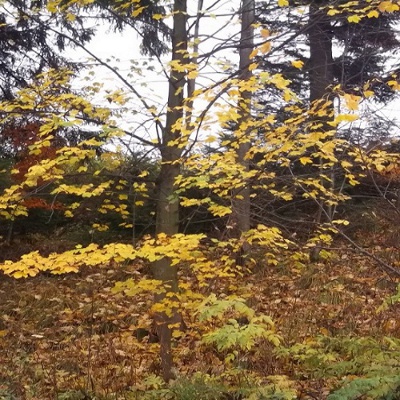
x: 197, y: 278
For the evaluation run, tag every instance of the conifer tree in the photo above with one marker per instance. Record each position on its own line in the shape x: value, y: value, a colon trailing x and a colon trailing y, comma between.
x: 28, y: 46
x: 362, y: 51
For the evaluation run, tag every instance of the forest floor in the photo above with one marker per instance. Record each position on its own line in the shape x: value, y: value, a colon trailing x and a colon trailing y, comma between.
x: 69, y: 337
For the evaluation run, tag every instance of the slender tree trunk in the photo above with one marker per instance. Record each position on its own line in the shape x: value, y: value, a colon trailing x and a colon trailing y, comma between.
x: 321, y: 80
x: 241, y: 206
x: 191, y: 83
x: 321, y: 59
x: 167, y: 220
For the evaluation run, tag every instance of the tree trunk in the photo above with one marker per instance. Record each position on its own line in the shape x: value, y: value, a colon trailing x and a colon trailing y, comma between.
x: 241, y: 205
x: 321, y: 81
x: 167, y: 219
x: 321, y: 59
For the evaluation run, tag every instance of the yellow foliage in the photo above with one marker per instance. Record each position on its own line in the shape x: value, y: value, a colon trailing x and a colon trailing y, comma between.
x: 388, y: 6
x: 352, y: 101
x: 137, y: 11
x: 298, y: 64
x: 265, y: 48
x: 354, y: 18
x: 373, y: 14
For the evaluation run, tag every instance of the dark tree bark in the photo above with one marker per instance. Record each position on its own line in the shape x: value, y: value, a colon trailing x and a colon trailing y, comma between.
x: 321, y: 81
x: 167, y: 220
x: 321, y: 59
x: 241, y: 205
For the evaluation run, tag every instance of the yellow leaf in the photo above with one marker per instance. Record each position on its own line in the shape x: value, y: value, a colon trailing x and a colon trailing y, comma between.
x: 253, y: 66
x: 219, y: 210
x: 354, y: 18
x: 100, y: 227
x: 343, y: 118
x: 394, y: 84
x: 346, y: 164
x: 328, y: 147
x: 210, y: 139
x: 52, y: 6
x: 157, y: 16
x: 298, y: 64
x: 373, y: 14
x: 266, y: 47
x: 352, y: 101
x: 137, y: 11
x: 193, y: 74
x: 265, y: 33
x: 332, y: 12
x: 388, y: 6
x: 305, y: 160
x: 283, y: 3
x: 37, y: 170
x: 177, y: 334
x: 71, y: 17
x: 368, y: 93
x: 288, y: 95
x: 340, y: 222
x: 253, y: 53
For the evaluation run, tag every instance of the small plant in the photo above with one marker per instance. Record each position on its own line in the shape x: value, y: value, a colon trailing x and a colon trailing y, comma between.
x: 361, y: 366
x: 5, y: 394
x: 235, y: 324
x: 198, y: 387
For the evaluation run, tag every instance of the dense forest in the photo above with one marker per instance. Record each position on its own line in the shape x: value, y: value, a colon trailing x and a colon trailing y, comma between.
x: 216, y: 217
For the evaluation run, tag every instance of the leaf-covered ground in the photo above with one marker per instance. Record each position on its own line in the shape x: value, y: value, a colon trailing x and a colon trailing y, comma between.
x: 68, y: 337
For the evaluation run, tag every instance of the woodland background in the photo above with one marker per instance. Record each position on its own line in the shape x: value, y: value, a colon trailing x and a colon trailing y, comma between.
x: 232, y: 234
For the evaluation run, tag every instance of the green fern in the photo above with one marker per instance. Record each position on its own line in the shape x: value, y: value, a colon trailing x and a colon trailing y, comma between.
x: 377, y: 387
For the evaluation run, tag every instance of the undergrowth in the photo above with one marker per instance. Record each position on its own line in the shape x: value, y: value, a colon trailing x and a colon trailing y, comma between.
x: 336, y: 336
